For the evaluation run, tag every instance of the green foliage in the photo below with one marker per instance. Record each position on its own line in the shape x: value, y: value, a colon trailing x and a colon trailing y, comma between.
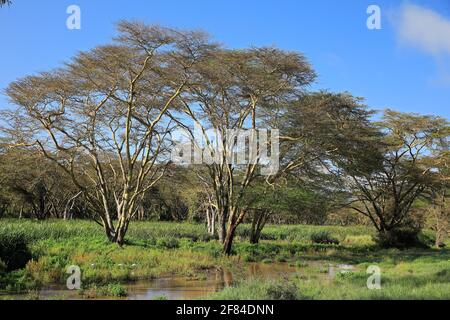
x: 110, y: 290
x: 14, y: 252
x: 58, y: 244
x: 283, y: 290
x: 297, y: 203
x: 323, y: 237
x: 3, y: 267
x: 401, y: 238
x: 260, y: 289
x: 360, y: 240
x: 116, y: 290
x: 168, y: 243
x: 408, y: 274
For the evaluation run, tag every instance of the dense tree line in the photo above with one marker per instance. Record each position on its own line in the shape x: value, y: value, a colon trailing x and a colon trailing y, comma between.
x: 93, y: 139
x: 3, y: 2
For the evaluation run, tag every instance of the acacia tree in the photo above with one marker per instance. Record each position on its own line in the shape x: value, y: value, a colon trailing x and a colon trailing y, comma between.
x: 394, y: 174
x: 34, y: 185
x: 289, y: 201
x: 236, y: 89
x: 102, y: 117
x: 438, y: 192
x: 314, y: 129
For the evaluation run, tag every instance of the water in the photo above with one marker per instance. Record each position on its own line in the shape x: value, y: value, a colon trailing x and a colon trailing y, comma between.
x: 176, y: 288
x: 181, y: 288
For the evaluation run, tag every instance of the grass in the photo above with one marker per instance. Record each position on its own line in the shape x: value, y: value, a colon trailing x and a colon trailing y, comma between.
x: 411, y: 274
x: 156, y: 249
x: 151, y: 231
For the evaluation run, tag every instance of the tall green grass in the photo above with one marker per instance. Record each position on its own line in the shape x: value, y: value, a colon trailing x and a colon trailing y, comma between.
x: 411, y: 274
x: 155, y: 249
x: 59, y: 229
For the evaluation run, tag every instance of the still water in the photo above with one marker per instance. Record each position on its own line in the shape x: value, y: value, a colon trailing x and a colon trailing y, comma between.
x: 179, y: 288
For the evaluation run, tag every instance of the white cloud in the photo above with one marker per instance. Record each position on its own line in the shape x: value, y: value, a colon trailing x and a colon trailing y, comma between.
x: 424, y: 29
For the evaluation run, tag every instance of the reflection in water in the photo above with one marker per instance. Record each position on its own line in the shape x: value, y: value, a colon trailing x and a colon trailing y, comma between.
x: 176, y: 288
x: 179, y: 288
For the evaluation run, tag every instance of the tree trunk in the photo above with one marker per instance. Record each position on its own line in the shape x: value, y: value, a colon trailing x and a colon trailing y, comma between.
x: 121, y: 230
x: 211, y: 216
x: 228, y: 243
x: 213, y: 221
x: 223, y: 215
x: 259, y: 220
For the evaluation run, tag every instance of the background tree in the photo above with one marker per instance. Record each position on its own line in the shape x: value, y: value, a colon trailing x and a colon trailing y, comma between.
x: 316, y: 128
x: 388, y: 183
x: 102, y: 118
x: 3, y: 2
x: 438, y: 217
x: 233, y: 90
x: 35, y: 186
x: 289, y: 202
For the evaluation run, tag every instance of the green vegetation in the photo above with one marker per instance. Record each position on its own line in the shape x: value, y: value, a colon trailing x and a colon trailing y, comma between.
x: 110, y: 290
x: 14, y: 253
x: 156, y: 249
x: 411, y: 274
x: 323, y: 237
x: 93, y: 141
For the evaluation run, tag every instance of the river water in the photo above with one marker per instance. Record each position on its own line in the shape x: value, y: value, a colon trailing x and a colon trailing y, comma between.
x: 179, y: 288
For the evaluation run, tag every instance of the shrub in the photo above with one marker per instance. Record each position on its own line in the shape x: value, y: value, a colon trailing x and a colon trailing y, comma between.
x: 110, y: 290
x: 281, y: 258
x: 300, y: 264
x: 2, y: 267
x: 116, y: 290
x: 14, y: 251
x: 400, y: 238
x: 249, y: 258
x: 323, y: 237
x: 168, y: 243
x: 284, y: 290
x: 428, y: 239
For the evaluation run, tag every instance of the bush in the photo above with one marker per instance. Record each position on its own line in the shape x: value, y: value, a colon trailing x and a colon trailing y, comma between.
x: 323, y: 237
x: 2, y: 267
x: 110, y: 290
x: 168, y: 243
x: 14, y: 251
x: 400, y: 238
x: 284, y: 290
x: 116, y: 290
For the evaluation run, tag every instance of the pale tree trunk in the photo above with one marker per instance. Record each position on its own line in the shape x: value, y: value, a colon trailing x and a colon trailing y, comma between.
x: 208, y: 219
x: 69, y: 206
x: 222, y: 227
x: 211, y: 216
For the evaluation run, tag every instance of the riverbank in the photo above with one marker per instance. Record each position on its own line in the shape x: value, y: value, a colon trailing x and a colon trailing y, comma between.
x: 185, y: 252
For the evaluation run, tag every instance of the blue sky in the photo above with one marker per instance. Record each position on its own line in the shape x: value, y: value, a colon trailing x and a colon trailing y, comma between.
x: 404, y: 66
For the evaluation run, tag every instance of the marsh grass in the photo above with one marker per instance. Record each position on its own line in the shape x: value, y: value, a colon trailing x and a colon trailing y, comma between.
x: 156, y: 249
x: 411, y: 274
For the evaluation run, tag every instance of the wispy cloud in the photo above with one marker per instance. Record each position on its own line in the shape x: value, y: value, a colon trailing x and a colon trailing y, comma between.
x: 424, y: 29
